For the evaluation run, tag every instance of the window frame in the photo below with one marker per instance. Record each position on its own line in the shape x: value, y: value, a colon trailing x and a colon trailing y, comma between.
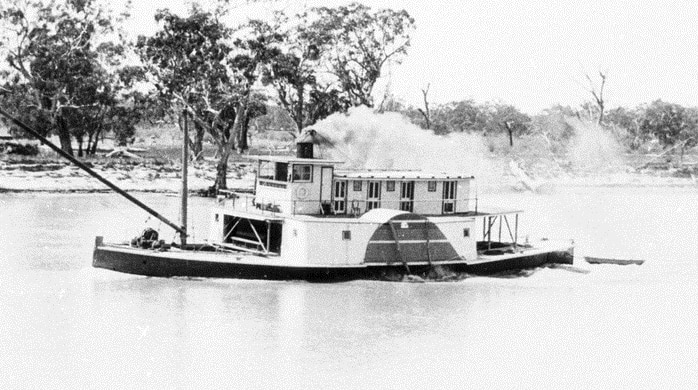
x: 359, y: 187
x: 431, y: 186
x: 300, y: 168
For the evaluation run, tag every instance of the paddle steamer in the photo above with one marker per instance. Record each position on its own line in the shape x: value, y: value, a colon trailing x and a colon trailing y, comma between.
x: 308, y: 219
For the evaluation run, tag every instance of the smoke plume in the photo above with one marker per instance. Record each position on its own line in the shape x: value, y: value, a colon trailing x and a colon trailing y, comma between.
x: 364, y: 139
x: 593, y: 149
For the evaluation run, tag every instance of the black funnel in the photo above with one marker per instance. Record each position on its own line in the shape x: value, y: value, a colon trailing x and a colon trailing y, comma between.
x: 305, y: 144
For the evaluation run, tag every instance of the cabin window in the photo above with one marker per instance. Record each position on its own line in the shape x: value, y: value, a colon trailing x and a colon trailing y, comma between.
x: 466, y: 232
x: 357, y: 185
x: 302, y: 172
x: 346, y: 234
x: 390, y: 186
x: 431, y: 186
x: 266, y: 170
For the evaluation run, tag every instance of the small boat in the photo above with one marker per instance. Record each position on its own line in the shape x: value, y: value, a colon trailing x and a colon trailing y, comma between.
x: 309, y: 219
x: 605, y: 260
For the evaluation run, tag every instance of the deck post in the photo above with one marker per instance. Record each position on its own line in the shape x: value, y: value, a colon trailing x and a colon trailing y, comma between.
x: 185, y: 163
x: 259, y: 239
x: 500, y: 228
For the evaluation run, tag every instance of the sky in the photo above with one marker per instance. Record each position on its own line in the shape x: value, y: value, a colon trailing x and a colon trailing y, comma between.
x: 531, y: 54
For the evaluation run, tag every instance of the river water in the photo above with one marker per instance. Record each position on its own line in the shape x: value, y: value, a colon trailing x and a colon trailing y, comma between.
x: 64, y: 324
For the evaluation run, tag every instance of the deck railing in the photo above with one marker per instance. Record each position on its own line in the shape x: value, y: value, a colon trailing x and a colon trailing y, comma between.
x: 352, y: 208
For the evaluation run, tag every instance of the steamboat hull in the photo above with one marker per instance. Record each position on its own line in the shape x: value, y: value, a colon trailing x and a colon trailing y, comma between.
x: 179, y: 263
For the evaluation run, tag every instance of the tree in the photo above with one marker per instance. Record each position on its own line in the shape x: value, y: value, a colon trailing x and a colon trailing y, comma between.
x: 509, y: 118
x: 629, y: 121
x: 463, y: 116
x: 674, y: 125
x: 597, y: 94
x: 295, y: 73
x: 51, y: 47
x: 552, y: 123
x: 196, y: 68
x: 363, y: 42
x: 425, y: 112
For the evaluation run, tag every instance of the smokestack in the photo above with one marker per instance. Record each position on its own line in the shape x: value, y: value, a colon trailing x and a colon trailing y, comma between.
x: 304, y: 145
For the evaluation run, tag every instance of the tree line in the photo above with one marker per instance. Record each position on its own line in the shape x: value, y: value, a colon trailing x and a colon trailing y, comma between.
x: 668, y: 126
x: 70, y: 70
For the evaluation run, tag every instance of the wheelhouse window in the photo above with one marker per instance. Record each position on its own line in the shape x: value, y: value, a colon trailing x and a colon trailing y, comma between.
x: 267, y: 170
x: 273, y: 174
x: 271, y: 170
x: 431, y: 186
x: 302, y: 172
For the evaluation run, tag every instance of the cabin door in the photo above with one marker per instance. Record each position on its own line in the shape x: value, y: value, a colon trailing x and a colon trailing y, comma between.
x: 407, y: 196
x: 449, y: 197
x: 373, y: 200
x: 326, y: 187
x: 340, y: 196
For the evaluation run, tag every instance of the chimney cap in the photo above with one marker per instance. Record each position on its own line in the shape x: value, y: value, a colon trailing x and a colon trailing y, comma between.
x: 307, y: 137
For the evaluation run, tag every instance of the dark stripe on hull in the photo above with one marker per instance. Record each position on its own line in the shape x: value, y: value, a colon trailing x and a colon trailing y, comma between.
x: 145, y: 264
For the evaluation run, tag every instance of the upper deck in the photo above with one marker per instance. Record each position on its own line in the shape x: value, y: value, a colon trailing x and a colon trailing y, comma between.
x: 296, y: 185
x: 304, y: 185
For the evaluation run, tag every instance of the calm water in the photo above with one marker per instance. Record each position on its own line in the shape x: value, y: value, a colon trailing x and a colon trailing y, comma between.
x: 66, y: 325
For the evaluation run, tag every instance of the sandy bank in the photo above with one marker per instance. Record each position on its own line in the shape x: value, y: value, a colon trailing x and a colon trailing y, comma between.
x: 59, y: 177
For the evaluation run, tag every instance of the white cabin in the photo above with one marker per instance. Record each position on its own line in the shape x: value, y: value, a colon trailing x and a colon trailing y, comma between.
x: 292, y: 185
x: 339, y: 216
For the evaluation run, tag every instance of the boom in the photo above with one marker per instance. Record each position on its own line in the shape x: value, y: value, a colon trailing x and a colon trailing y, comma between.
x: 180, y: 229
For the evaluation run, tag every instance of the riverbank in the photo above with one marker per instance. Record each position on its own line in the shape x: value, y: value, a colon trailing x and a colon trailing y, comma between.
x: 53, y: 175
x: 50, y: 175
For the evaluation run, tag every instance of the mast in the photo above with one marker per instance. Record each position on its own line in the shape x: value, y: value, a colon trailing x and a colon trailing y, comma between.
x: 185, y: 163
x: 180, y: 229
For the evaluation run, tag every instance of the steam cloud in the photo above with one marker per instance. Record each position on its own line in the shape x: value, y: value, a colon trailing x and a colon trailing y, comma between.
x: 364, y: 139
x: 593, y: 148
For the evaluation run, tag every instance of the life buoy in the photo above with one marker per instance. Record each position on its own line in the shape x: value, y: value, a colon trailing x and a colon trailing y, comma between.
x: 302, y: 192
